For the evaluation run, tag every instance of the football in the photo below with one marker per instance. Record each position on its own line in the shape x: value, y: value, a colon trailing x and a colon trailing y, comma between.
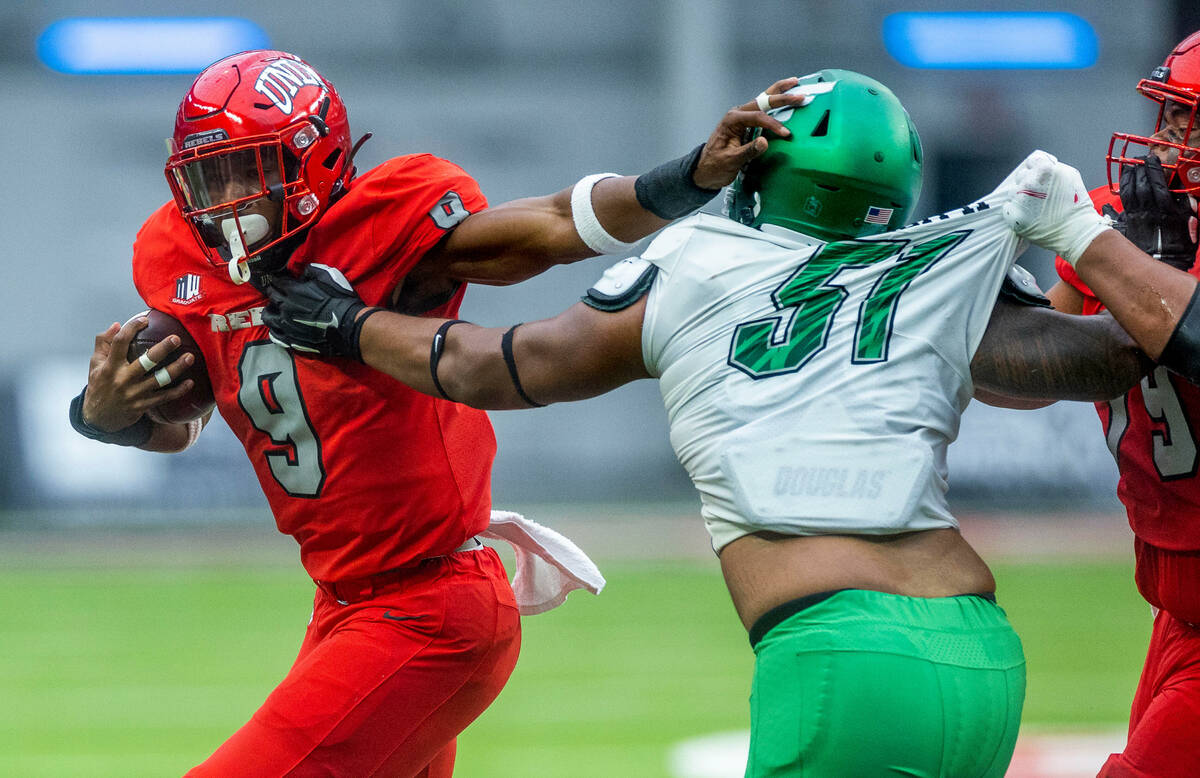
x: 196, y: 402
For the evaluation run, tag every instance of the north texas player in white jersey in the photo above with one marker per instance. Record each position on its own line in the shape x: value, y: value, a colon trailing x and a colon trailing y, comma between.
x: 813, y: 387
x: 814, y: 367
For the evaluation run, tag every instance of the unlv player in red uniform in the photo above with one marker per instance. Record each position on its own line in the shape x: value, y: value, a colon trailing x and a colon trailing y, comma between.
x: 1154, y: 430
x: 415, y: 628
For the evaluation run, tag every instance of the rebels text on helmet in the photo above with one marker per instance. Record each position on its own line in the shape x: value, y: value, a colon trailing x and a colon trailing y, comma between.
x: 280, y: 81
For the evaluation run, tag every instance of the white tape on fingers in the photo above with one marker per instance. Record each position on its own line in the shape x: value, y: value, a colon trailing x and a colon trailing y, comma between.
x: 162, y: 376
x: 146, y: 362
x: 764, y: 101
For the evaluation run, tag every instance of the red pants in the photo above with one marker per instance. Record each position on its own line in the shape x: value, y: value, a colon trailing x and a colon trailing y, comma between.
x: 383, y: 687
x: 1164, y: 723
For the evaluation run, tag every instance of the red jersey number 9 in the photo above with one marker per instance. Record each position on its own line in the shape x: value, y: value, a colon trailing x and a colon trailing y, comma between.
x: 270, y: 396
x: 1174, y: 444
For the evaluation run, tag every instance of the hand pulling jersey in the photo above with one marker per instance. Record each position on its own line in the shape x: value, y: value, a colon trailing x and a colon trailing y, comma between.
x: 813, y: 387
x: 1154, y: 434
x: 364, y: 472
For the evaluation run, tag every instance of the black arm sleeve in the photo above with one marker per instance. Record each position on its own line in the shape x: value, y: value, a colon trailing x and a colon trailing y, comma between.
x: 1182, y: 352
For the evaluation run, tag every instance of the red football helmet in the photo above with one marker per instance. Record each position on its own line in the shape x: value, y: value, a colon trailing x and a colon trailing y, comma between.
x: 1175, y: 86
x: 261, y: 148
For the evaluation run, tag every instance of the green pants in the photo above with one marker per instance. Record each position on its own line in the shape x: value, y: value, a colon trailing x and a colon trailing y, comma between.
x: 868, y: 684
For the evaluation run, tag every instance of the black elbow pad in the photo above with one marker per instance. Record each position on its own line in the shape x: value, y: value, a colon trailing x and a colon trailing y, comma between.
x: 1182, y: 352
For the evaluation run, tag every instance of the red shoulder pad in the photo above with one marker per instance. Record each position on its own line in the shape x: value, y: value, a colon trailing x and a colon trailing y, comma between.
x: 389, y: 219
x: 163, y: 251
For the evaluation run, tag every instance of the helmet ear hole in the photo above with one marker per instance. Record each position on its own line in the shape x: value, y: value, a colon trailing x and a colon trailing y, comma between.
x: 291, y: 165
x: 822, y: 128
x: 914, y: 140
x: 332, y: 159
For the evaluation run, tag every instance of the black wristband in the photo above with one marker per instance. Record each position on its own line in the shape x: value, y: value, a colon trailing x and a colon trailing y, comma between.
x: 435, y: 355
x: 506, y: 348
x: 668, y: 191
x: 1182, y: 352
x: 134, y: 435
x: 354, y: 335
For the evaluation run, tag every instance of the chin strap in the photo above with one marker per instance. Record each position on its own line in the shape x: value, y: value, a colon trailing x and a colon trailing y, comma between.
x: 255, y: 227
x: 239, y: 269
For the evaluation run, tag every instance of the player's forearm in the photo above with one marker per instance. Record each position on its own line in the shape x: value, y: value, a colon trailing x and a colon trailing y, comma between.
x: 1039, y: 354
x: 1146, y: 297
x: 619, y: 212
x: 469, y: 366
x: 578, y: 354
x: 399, y: 346
x: 518, y: 240
x: 1012, y: 403
x: 600, y: 214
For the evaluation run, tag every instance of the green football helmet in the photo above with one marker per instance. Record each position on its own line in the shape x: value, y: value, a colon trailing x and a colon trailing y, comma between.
x: 852, y: 166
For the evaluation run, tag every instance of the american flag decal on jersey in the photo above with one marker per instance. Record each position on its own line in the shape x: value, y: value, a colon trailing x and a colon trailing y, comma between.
x: 876, y: 215
x: 187, y: 289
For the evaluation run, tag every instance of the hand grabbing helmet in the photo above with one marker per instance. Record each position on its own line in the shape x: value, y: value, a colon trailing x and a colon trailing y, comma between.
x: 851, y: 167
x: 1175, y: 86
x: 261, y: 149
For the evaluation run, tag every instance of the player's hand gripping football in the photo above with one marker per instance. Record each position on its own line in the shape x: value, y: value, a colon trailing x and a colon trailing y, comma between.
x: 317, y: 313
x: 730, y: 146
x: 119, y: 392
x: 1050, y: 207
x: 1158, y: 221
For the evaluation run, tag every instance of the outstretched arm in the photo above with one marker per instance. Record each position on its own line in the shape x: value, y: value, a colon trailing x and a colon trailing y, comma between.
x: 1147, y: 297
x: 1030, y: 357
x: 1153, y: 302
x: 580, y: 353
x: 520, y: 239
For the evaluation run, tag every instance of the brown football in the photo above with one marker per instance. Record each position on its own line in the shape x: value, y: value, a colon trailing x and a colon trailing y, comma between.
x: 199, y: 400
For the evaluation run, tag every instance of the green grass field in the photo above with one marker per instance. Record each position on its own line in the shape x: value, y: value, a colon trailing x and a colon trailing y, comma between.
x: 141, y: 668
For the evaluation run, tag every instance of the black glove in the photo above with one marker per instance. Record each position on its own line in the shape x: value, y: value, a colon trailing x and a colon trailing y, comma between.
x: 1155, y: 219
x: 316, y: 313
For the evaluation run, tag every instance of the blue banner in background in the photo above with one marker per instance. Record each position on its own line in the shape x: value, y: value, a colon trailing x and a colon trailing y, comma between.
x: 144, y: 46
x: 979, y: 40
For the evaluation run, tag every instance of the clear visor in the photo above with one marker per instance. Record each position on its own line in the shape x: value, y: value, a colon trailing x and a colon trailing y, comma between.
x: 225, y: 179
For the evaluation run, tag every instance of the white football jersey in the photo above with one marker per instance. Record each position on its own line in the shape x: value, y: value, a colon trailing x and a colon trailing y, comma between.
x: 813, y: 387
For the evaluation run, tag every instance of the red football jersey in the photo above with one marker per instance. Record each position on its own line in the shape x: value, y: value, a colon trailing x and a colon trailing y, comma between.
x: 1154, y: 434
x: 364, y: 472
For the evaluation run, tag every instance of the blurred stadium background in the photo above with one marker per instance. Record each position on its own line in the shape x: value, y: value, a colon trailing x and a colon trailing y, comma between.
x: 153, y: 603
